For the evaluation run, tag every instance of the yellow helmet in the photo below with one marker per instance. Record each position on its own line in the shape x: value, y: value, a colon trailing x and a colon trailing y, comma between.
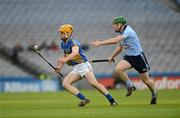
x: 66, y: 28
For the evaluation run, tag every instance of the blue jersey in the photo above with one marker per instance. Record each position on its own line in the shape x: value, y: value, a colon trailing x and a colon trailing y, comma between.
x: 67, y: 47
x: 131, y: 43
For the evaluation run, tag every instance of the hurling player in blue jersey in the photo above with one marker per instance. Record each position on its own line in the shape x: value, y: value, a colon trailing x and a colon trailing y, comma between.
x: 74, y: 56
x: 134, y: 57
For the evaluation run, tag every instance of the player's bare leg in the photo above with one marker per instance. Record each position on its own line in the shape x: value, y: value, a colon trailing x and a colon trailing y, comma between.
x: 92, y: 80
x: 145, y: 78
x: 67, y: 84
x: 121, y: 67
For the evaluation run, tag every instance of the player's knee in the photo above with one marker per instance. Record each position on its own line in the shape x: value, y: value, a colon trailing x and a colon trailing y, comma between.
x: 65, y: 84
x: 145, y: 78
x: 119, y: 69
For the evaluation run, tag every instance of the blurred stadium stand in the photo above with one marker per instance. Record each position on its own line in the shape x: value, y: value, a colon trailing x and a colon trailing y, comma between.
x: 36, y: 21
x: 7, y: 69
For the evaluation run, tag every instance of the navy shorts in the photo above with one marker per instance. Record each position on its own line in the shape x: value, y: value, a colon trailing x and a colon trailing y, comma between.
x: 139, y: 62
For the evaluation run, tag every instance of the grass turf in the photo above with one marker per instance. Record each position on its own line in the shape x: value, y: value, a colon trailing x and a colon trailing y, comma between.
x: 64, y: 105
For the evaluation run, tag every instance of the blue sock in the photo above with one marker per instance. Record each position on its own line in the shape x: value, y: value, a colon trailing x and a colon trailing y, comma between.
x: 109, y: 97
x: 81, y: 96
x: 128, y: 83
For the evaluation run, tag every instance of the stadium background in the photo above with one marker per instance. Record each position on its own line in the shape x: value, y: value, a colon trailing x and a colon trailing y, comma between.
x: 24, y: 23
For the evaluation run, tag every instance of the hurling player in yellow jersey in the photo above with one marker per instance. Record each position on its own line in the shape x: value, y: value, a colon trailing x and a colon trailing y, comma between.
x: 74, y: 56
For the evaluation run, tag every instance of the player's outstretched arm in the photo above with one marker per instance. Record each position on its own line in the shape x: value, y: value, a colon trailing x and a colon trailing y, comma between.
x: 110, y: 41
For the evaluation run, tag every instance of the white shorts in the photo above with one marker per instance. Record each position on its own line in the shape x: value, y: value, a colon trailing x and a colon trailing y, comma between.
x: 82, y: 69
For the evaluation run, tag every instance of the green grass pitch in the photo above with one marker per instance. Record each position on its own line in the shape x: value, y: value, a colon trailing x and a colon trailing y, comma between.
x: 64, y: 105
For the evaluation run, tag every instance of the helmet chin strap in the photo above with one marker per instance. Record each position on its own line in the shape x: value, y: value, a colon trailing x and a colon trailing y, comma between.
x: 67, y: 38
x: 121, y: 27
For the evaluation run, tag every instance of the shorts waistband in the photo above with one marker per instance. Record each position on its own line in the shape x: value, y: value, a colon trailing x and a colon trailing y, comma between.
x: 80, y: 63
